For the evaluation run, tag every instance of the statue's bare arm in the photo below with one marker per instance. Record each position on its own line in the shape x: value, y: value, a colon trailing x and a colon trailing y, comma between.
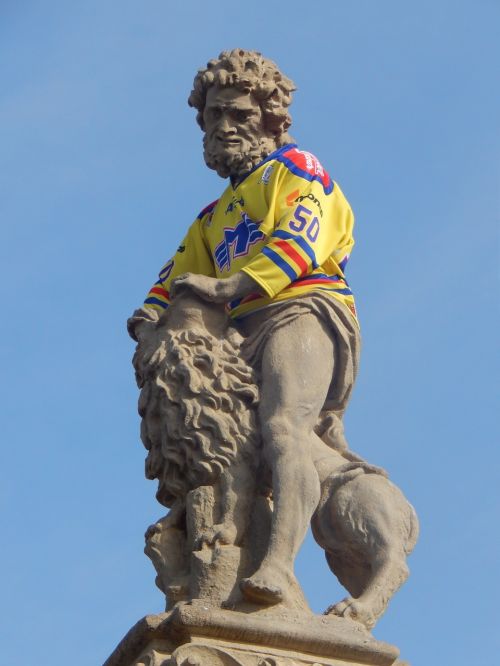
x: 215, y: 290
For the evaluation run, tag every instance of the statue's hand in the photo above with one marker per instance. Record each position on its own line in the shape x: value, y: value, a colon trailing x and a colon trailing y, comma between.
x: 205, y: 287
x: 212, y: 289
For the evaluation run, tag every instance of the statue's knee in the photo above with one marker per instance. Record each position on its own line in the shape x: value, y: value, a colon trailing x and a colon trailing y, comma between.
x: 284, y: 437
x: 287, y: 421
x: 276, y: 428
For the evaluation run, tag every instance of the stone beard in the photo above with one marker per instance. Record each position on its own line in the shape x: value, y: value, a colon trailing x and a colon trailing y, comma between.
x: 236, y: 162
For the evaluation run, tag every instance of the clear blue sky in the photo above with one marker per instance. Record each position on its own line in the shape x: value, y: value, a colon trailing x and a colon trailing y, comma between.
x: 399, y: 101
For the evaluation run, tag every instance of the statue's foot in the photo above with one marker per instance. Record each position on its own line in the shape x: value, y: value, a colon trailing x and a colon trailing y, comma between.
x: 354, y: 609
x: 267, y: 586
x: 260, y: 591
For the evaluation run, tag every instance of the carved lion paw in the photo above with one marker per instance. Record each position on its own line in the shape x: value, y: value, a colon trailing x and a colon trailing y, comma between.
x: 353, y: 609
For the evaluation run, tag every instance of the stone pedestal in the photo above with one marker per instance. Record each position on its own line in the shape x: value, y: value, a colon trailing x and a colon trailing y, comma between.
x: 195, y: 634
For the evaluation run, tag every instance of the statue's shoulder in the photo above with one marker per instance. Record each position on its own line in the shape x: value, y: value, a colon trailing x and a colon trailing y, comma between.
x: 207, y: 210
x: 305, y: 165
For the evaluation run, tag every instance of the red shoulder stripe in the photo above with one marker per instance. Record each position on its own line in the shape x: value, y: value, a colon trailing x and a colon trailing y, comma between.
x: 307, y: 166
x: 208, y: 209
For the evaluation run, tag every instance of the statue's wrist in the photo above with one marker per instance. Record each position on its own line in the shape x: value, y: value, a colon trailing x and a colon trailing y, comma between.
x: 238, y: 285
x: 228, y: 288
x: 245, y: 284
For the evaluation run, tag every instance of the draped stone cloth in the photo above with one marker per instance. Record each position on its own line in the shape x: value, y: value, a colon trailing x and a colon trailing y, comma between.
x: 338, y: 322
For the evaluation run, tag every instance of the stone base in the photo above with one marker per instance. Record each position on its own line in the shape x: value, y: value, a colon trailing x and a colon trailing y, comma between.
x: 194, y: 634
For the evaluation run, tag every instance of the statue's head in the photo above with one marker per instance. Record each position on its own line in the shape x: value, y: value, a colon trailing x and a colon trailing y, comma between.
x: 242, y: 101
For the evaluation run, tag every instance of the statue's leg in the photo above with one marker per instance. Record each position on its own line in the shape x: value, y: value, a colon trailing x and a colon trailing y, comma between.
x: 297, y: 367
x: 367, y: 528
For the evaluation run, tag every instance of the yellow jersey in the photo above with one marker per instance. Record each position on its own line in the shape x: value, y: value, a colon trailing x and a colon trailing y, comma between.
x: 285, y: 223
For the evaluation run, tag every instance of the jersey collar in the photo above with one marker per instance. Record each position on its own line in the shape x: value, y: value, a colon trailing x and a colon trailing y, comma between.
x: 237, y: 181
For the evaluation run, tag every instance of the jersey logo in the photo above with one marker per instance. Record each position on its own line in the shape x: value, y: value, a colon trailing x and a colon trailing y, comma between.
x: 234, y: 202
x: 237, y: 241
x: 292, y: 197
x: 297, y: 197
x: 266, y: 175
x: 305, y: 165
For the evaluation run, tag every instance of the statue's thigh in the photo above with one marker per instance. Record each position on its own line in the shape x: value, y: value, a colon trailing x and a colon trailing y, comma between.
x: 297, y: 369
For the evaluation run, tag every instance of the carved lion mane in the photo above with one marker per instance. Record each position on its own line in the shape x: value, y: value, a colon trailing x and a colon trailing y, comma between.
x: 192, y: 386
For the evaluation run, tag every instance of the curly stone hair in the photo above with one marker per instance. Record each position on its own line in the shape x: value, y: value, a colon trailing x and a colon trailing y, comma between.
x: 248, y: 71
x: 194, y: 424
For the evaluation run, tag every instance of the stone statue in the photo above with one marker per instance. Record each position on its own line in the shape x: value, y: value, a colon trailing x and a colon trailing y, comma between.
x: 247, y: 351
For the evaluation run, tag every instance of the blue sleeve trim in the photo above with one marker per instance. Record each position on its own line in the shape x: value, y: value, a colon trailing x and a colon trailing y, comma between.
x: 331, y: 290
x: 286, y: 235
x: 343, y: 264
x: 155, y: 301
x: 274, y: 256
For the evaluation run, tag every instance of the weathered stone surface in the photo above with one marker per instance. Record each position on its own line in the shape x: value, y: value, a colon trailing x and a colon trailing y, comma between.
x: 210, y: 470
x: 194, y: 633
